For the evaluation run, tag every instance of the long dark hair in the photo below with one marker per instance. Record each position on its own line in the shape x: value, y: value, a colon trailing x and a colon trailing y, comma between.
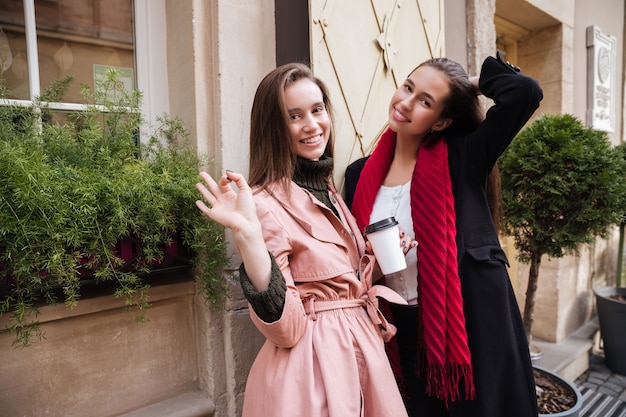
x: 463, y: 107
x: 272, y: 157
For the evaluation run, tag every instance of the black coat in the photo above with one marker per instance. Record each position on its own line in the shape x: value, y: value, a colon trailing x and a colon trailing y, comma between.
x: 502, y: 369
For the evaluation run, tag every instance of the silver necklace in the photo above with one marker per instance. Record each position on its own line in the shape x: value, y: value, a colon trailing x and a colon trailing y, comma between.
x: 396, y: 198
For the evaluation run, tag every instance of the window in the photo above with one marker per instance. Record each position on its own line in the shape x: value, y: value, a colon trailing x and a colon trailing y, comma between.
x: 45, y: 41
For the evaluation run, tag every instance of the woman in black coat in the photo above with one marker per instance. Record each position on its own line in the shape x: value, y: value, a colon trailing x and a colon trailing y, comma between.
x: 461, y: 348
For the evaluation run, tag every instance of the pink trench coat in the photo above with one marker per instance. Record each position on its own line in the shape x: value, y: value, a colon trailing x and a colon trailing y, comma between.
x: 325, y: 356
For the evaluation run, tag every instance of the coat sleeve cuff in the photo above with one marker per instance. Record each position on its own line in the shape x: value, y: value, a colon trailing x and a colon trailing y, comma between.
x: 268, y: 304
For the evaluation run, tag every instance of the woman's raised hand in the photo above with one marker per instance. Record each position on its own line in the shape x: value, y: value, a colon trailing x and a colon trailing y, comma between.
x: 237, y: 211
x: 234, y: 210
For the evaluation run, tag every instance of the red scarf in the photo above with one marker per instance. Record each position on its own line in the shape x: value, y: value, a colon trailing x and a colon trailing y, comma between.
x: 443, y: 341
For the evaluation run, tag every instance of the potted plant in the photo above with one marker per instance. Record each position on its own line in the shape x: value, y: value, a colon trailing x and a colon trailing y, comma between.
x: 556, y: 397
x: 611, y: 308
x: 562, y: 185
x: 82, y: 202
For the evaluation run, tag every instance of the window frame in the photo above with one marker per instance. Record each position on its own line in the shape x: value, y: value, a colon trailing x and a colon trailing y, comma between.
x: 150, y: 62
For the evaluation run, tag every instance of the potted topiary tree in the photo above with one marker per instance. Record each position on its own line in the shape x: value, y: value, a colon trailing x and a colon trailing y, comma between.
x: 82, y: 202
x: 611, y: 307
x: 562, y: 185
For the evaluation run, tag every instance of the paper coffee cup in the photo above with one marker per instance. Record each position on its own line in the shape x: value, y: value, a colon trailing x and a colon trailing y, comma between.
x: 384, y: 235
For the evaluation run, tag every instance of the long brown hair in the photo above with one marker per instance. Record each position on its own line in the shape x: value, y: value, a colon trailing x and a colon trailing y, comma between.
x: 463, y: 107
x: 272, y: 157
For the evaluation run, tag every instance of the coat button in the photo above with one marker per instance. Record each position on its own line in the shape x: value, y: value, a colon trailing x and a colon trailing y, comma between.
x: 515, y: 67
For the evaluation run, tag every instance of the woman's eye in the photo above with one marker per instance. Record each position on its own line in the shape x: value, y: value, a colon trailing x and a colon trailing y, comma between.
x: 294, y: 117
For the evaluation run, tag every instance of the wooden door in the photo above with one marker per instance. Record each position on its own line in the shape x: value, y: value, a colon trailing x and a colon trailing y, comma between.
x: 363, y: 50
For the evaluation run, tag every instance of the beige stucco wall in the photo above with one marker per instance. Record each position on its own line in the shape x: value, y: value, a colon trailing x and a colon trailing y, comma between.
x: 96, y: 360
x: 455, y: 30
x: 564, y: 298
x: 233, y: 48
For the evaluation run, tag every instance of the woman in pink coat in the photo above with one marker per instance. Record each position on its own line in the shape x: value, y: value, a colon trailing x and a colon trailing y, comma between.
x: 305, y: 272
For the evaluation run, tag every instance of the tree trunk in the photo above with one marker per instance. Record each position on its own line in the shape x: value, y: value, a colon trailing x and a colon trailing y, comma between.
x: 620, y: 256
x: 531, y: 291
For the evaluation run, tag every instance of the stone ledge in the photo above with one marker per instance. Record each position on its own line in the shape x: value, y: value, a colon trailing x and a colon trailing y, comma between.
x: 106, y: 302
x: 190, y: 404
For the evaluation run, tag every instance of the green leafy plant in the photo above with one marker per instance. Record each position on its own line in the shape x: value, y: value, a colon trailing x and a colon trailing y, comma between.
x: 622, y: 225
x: 562, y: 185
x: 77, y: 189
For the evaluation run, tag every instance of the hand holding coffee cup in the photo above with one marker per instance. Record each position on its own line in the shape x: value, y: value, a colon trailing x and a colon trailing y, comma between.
x: 384, y: 238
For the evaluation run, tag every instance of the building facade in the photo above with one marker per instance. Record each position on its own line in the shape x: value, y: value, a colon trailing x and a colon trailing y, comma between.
x: 201, y: 61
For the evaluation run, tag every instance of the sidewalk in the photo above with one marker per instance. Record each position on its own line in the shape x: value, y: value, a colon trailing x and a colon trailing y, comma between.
x: 604, y: 392
x: 579, y: 358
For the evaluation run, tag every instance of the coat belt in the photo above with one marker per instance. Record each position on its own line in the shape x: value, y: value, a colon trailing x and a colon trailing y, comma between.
x: 368, y: 300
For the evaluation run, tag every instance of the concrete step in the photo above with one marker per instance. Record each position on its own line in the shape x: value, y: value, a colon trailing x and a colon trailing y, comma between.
x: 189, y: 404
x: 570, y: 357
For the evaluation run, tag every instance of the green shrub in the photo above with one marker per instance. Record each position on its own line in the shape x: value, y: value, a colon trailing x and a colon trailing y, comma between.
x: 563, y: 185
x: 72, y: 188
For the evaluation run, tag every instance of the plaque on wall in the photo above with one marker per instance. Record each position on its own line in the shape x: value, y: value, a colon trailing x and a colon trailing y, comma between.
x: 600, y: 80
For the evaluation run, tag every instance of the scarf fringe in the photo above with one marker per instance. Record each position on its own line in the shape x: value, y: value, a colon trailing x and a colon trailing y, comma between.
x: 445, y: 381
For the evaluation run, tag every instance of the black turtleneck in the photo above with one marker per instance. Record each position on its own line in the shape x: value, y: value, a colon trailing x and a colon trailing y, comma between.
x: 313, y: 177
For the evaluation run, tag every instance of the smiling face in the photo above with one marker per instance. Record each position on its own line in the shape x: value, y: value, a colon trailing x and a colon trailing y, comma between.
x: 417, y: 105
x: 309, y: 123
